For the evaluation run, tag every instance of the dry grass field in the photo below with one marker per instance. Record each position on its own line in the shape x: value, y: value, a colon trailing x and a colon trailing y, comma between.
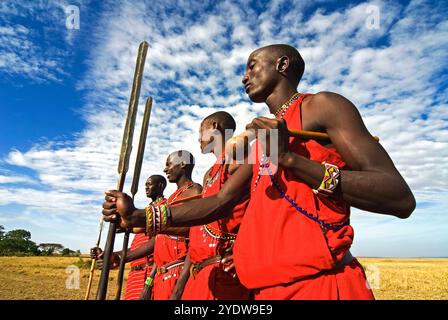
x: 406, y: 279
x: 45, y: 278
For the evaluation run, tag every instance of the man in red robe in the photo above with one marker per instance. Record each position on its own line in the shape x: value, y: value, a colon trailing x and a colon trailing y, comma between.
x: 170, y: 250
x: 140, y: 254
x: 212, y: 243
x: 294, y: 238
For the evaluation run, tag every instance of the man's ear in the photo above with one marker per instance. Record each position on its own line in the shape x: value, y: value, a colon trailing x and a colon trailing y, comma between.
x: 183, y: 164
x: 282, y: 64
x: 215, y: 125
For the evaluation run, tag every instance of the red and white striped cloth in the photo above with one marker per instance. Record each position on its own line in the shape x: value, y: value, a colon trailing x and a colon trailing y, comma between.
x: 136, y: 278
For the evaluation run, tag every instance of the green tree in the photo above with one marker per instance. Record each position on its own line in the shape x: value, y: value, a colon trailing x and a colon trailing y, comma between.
x: 48, y: 249
x: 17, y: 242
x: 68, y: 252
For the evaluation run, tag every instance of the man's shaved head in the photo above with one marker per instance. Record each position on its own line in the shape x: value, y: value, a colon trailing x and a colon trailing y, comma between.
x: 177, y: 157
x: 154, y: 186
x: 223, y: 119
x: 296, y: 63
x: 181, y: 156
x: 215, y: 130
x: 157, y: 178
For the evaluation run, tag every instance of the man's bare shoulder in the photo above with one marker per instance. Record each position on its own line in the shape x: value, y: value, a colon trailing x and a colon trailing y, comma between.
x: 194, y: 190
x: 326, y: 105
x: 328, y: 100
x: 233, y: 167
x: 208, y: 172
x: 197, y: 187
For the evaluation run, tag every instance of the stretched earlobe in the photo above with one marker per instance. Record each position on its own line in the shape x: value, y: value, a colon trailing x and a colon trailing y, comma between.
x: 282, y: 64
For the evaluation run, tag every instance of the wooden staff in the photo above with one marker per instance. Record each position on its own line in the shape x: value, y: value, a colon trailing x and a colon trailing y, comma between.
x: 314, y: 135
x: 134, y: 189
x: 149, y: 283
x: 92, y: 266
x: 198, y: 196
x: 123, y: 164
x: 250, y: 135
x: 240, y: 141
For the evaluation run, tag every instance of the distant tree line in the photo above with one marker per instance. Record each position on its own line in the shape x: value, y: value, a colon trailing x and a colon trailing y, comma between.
x: 18, y: 243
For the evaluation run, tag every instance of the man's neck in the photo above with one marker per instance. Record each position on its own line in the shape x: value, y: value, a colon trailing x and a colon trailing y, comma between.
x: 154, y: 198
x: 182, y: 181
x: 278, y: 97
x: 218, y: 150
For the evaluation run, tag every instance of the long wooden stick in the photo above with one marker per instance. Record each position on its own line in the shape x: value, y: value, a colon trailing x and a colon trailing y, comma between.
x: 314, y: 135
x: 149, y: 282
x: 304, y: 134
x: 198, y: 196
x: 294, y: 133
x: 124, y: 252
x: 134, y: 189
x: 239, y: 142
x: 92, y: 266
x: 123, y: 163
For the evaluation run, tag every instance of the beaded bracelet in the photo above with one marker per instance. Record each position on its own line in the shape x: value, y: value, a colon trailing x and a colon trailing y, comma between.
x: 163, y: 215
x: 330, y: 181
x: 156, y: 220
x: 149, y: 221
x: 157, y: 217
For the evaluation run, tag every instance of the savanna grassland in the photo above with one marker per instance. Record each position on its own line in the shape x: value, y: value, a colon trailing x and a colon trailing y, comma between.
x: 47, y: 278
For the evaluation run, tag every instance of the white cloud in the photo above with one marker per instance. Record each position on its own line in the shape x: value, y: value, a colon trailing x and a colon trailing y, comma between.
x: 15, y: 179
x: 36, y: 49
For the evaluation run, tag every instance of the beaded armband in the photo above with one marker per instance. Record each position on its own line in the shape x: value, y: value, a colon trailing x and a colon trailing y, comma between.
x: 330, y: 181
x: 156, y: 219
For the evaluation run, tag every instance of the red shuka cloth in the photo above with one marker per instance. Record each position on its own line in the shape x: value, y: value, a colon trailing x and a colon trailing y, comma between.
x: 136, y: 278
x: 284, y: 254
x: 212, y: 282
x: 167, y: 249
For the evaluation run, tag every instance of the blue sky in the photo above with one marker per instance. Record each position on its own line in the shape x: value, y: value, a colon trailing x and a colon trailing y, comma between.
x: 64, y: 93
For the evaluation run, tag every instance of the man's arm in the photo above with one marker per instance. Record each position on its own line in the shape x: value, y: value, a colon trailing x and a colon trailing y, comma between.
x: 191, y: 213
x: 182, y: 280
x: 204, y: 180
x: 209, y: 209
x: 98, y: 254
x: 143, y: 251
x: 372, y: 183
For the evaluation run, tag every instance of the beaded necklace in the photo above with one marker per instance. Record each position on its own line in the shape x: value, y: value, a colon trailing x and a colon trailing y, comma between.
x: 219, y: 239
x: 286, y: 105
x: 300, y: 209
x: 217, y: 235
x: 158, y: 201
x: 212, y: 177
x: 264, y: 163
x: 176, y: 195
x: 181, y: 190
